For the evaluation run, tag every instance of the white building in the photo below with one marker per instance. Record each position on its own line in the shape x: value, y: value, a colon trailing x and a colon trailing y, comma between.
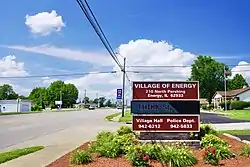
x: 238, y: 94
x: 15, y: 106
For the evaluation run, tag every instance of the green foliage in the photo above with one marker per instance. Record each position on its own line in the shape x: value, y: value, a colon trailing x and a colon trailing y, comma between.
x: 221, y: 146
x: 7, y: 156
x: 80, y: 157
x: 112, y: 116
x: 103, y: 136
x: 204, y: 129
x: 36, y: 108
x: 46, y: 97
x: 124, y: 130
x: 177, y: 157
x: 239, y: 105
x: 7, y: 92
x: 138, y: 156
x: 222, y: 104
x: 210, y: 156
x: 125, y: 141
x: 211, y: 140
x: 153, y: 150
x: 237, y: 82
x: 245, y: 151
x: 210, y: 74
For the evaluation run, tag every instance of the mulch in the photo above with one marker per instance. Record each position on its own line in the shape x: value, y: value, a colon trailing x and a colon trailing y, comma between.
x: 235, y: 147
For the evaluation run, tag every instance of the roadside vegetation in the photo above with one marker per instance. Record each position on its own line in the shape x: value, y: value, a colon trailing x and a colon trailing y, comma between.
x: 112, y: 116
x: 10, y: 155
x: 236, y: 132
x: 124, y: 143
x: 127, y: 117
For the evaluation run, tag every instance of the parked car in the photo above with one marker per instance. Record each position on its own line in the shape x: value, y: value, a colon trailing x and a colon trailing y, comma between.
x: 91, y: 108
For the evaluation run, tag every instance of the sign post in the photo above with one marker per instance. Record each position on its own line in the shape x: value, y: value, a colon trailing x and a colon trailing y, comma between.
x: 166, y: 106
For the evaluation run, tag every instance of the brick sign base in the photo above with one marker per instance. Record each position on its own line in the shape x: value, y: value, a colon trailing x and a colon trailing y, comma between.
x: 166, y: 123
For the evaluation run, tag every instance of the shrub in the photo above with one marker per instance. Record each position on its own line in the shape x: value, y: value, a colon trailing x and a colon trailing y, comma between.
x: 204, y: 129
x: 223, y: 152
x: 210, y: 156
x: 125, y: 141
x: 211, y: 140
x: 36, y: 108
x: 239, y: 105
x: 138, y: 156
x: 222, y: 105
x: 204, y: 107
x: 245, y: 151
x: 177, y: 157
x: 124, y: 130
x: 110, y: 149
x: 106, y: 136
x: 153, y: 150
x: 80, y: 157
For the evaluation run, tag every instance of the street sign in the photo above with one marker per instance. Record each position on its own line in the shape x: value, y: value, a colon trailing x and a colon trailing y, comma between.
x: 119, y: 94
x: 166, y: 90
x: 165, y: 107
x: 58, y: 102
x: 166, y: 123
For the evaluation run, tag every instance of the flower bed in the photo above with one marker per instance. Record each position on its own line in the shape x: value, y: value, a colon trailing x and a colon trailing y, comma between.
x: 122, y: 149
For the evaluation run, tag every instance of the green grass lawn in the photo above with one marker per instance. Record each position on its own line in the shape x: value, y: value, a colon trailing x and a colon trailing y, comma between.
x: 239, y: 114
x: 127, y: 117
x: 236, y: 132
x: 18, y: 113
x: 110, y: 117
x: 10, y: 155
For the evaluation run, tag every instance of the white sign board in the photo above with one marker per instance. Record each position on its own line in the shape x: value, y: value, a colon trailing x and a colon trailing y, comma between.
x: 58, y: 102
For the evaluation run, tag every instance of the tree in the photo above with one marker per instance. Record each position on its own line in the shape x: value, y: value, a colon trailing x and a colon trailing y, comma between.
x: 39, y: 96
x: 101, y: 101
x: 108, y: 103
x: 237, y: 82
x: 7, y: 92
x: 210, y: 75
x: 46, y: 97
x: 58, y: 90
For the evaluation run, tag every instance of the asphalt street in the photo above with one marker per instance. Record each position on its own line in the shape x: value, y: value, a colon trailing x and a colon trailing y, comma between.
x: 16, y: 129
x: 218, y: 119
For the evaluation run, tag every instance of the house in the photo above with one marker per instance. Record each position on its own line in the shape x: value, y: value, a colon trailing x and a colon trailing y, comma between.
x: 203, y: 101
x: 18, y: 105
x: 242, y: 94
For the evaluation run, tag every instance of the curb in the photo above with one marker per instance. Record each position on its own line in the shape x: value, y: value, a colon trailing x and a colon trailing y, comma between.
x: 236, y: 138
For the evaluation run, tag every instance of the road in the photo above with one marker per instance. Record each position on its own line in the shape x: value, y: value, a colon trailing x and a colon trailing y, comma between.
x: 218, y: 119
x: 59, y: 132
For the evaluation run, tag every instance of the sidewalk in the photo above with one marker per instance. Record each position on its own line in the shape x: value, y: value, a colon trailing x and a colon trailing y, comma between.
x: 232, y: 126
x: 60, y: 143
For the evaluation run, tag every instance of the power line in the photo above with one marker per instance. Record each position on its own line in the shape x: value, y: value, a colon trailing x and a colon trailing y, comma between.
x: 99, y: 32
x: 170, y: 66
x: 58, y: 75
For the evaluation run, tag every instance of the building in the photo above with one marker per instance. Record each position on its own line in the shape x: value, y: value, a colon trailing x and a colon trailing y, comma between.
x: 15, y: 106
x: 238, y: 94
x: 203, y: 101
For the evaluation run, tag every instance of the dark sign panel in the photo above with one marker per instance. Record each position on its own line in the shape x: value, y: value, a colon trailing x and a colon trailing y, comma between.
x: 166, y: 90
x: 165, y: 107
x: 119, y: 94
x: 166, y: 123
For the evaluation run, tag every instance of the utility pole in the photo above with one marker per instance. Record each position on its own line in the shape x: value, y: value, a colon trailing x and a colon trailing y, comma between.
x: 60, y: 99
x: 123, y: 86
x: 41, y: 100
x: 85, y: 97
x: 225, y: 87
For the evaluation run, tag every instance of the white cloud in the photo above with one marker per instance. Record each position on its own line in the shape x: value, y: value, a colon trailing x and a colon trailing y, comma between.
x: 9, y: 67
x: 95, y: 58
x: 242, y: 68
x: 44, y: 23
x: 140, y: 52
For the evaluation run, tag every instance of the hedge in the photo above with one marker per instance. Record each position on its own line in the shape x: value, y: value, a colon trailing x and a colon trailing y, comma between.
x: 239, y: 105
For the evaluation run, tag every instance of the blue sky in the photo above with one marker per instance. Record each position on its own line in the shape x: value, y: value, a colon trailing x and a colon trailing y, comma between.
x: 214, y: 28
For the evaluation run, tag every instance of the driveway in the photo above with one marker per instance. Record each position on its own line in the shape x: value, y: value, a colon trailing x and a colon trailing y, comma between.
x: 59, y: 132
